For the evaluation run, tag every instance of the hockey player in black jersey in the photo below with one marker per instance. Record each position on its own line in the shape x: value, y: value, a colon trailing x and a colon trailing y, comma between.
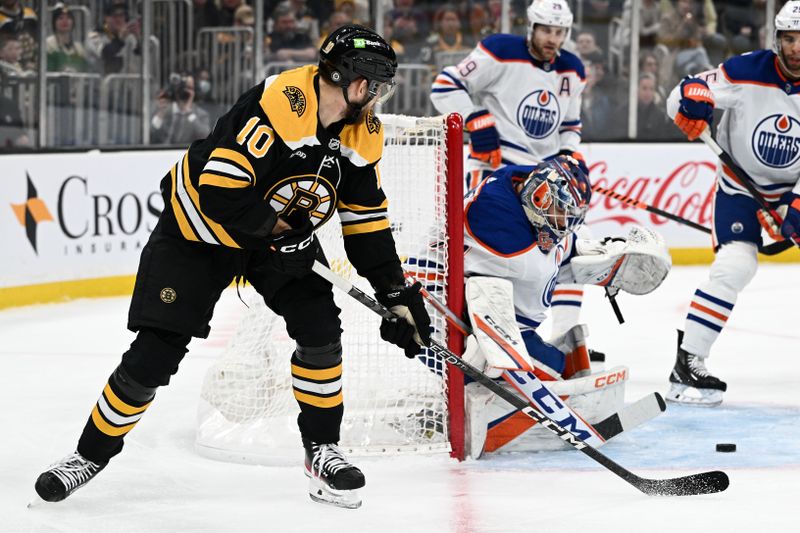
x: 245, y: 202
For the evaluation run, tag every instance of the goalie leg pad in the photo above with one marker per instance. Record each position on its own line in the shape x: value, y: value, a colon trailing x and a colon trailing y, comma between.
x: 491, y: 313
x: 504, y: 429
x: 478, y: 400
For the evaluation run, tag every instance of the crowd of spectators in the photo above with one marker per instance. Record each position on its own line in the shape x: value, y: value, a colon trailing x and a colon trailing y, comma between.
x: 104, y: 37
x: 676, y: 38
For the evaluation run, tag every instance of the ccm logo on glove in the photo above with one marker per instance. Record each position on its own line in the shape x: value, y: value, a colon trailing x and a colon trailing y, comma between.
x: 291, y: 248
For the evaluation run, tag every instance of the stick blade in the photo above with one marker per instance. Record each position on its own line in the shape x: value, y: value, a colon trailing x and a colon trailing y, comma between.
x: 703, y: 483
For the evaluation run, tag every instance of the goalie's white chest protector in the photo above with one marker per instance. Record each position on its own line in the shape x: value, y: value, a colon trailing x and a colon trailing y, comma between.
x: 536, y: 105
x: 501, y: 242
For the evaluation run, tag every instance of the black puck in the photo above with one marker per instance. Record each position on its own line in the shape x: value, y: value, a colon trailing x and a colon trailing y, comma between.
x: 726, y: 447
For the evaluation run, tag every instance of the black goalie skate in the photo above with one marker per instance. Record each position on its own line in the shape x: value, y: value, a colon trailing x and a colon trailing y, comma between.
x: 690, y: 381
x: 65, y: 477
x: 333, y: 479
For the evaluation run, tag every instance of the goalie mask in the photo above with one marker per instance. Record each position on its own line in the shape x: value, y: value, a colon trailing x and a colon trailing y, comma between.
x: 556, y: 196
x: 787, y: 19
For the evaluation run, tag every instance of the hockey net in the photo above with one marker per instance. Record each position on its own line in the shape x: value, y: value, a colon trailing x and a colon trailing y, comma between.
x: 247, y: 412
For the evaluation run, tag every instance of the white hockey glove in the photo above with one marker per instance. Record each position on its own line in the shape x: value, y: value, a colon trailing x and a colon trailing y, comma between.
x: 637, y: 264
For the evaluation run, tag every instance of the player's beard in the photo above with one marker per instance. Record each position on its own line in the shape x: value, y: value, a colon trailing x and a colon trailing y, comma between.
x: 356, y: 111
x: 791, y: 65
x: 354, y: 114
x: 542, y: 53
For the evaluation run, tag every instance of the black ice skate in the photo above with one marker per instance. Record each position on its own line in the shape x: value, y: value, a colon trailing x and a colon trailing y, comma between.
x: 333, y: 479
x: 690, y: 381
x: 65, y: 477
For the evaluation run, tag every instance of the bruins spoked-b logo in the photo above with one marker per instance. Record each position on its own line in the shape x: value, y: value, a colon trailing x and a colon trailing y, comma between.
x: 373, y: 122
x: 168, y: 295
x: 308, y: 193
x: 297, y: 100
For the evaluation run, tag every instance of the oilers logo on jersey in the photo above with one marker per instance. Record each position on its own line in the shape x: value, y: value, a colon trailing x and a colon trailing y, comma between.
x: 776, y: 141
x: 539, y: 114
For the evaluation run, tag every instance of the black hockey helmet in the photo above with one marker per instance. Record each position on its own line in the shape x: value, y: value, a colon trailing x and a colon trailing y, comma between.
x: 353, y: 52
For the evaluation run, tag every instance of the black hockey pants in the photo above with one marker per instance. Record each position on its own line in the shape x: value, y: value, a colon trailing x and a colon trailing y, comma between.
x: 177, y: 286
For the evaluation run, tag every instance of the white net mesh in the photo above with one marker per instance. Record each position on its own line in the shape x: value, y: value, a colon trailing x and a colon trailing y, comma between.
x: 392, y: 404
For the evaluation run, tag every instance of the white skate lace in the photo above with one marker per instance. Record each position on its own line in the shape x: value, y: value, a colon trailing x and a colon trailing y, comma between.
x: 73, y: 470
x: 698, y: 366
x: 329, y: 458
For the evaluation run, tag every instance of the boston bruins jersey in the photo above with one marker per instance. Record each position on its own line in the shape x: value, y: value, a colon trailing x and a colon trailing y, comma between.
x: 269, y: 156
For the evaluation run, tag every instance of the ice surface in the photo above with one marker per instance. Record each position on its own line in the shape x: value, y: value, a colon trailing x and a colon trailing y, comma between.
x: 54, y: 360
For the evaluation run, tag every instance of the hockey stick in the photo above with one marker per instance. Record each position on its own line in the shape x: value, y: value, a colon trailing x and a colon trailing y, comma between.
x: 770, y: 249
x: 747, y: 182
x: 702, y: 483
x: 641, y: 205
x: 639, y: 412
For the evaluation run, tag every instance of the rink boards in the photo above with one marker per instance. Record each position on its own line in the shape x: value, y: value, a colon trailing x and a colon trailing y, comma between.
x: 74, y: 223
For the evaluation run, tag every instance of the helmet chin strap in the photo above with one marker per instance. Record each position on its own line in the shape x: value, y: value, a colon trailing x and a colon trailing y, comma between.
x: 354, y: 110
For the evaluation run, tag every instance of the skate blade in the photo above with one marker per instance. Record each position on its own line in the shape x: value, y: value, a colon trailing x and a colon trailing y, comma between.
x: 321, y: 493
x: 36, y: 501
x: 686, y: 395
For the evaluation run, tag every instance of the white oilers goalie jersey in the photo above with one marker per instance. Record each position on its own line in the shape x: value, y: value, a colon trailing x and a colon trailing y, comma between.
x: 760, y: 126
x: 536, y: 105
x: 500, y: 241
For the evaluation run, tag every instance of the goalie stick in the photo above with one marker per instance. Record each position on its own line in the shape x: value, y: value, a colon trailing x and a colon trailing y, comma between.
x: 770, y: 249
x: 747, y: 182
x: 639, y: 412
x: 702, y: 483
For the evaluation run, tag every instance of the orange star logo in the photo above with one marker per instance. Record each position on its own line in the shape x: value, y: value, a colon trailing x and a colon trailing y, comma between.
x: 31, y: 213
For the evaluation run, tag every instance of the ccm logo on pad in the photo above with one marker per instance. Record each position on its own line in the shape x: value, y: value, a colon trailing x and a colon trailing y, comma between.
x: 610, y: 379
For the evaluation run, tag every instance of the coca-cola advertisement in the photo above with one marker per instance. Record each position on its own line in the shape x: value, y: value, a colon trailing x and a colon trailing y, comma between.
x: 676, y: 178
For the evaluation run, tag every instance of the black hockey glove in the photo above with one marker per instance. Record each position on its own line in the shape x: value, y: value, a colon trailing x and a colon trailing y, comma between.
x: 293, y: 252
x: 411, y: 329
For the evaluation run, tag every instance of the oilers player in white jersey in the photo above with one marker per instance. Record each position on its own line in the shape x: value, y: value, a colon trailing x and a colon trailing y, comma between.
x: 520, y: 225
x: 760, y: 128
x: 529, y: 91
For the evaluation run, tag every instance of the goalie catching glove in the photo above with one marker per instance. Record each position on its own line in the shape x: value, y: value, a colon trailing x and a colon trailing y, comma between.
x: 410, y: 330
x: 637, y: 264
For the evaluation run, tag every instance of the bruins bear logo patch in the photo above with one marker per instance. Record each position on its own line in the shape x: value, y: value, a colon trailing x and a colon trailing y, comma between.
x: 297, y: 100
x: 168, y: 295
x: 373, y: 122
